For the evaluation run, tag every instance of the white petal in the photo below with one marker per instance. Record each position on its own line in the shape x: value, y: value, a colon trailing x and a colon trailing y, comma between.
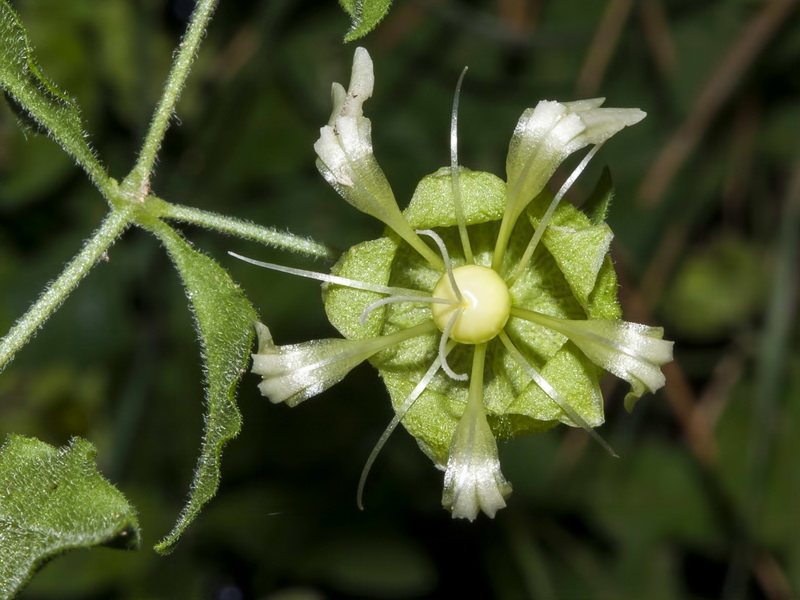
x: 297, y: 372
x: 346, y: 160
x: 547, y: 134
x: 362, y: 82
x: 630, y: 351
x: 344, y: 146
x: 473, y: 481
x: 333, y: 157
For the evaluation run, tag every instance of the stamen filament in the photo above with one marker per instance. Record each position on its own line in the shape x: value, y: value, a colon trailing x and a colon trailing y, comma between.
x: 540, y: 229
x: 443, y: 343
x: 454, y: 173
x: 553, y: 394
x: 328, y: 278
x: 392, y: 299
x: 445, y: 257
x: 398, y: 417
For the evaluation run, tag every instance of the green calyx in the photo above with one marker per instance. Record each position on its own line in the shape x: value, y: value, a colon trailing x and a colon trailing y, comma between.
x: 569, y: 276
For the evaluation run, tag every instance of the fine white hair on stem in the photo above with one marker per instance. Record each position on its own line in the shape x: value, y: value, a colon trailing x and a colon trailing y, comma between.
x: 328, y: 278
x: 392, y: 299
x: 454, y: 173
x: 553, y: 394
x: 445, y: 257
x: 443, y: 347
x: 400, y: 413
x: 540, y: 229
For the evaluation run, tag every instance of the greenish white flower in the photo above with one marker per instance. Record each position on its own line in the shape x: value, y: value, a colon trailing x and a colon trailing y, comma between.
x: 502, y: 327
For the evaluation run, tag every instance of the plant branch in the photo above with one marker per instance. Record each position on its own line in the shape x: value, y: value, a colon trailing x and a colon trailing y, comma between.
x: 243, y: 229
x: 182, y: 64
x: 55, y: 293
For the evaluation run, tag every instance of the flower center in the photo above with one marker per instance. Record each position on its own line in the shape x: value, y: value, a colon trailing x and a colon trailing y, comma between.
x: 485, y: 304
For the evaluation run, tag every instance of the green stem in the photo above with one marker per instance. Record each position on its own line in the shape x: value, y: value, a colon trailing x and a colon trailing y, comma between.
x: 242, y: 229
x: 187, y: 50
x: 55, y: 293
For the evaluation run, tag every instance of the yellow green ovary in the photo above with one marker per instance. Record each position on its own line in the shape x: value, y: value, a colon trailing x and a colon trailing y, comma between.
x: 485, y: 304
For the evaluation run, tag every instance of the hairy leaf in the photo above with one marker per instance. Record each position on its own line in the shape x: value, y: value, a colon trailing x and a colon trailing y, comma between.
x: 224, y: 319
x: 364, y: 16
x: 38, y: 100
x: 53, y: 500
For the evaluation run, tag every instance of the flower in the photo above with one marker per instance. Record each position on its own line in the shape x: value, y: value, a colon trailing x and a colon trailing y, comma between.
x: 501, y: 327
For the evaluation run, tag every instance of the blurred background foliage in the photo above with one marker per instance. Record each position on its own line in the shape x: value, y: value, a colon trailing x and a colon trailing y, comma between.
x: 705, y: 501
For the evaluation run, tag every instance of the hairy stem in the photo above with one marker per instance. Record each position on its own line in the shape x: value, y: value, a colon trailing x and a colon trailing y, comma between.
x: 55, y: 293
x: 244, y: 229
x: 181, y: 65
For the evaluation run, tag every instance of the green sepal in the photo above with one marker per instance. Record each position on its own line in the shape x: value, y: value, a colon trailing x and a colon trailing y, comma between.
x: 53, y: 500
x: 224, y: 320
x: 30, y: 91
x: 364, y: 16
x: 576, y: 378
x: 597, y: 204
x: 368, y: 262
x: 483, y: 198
x: 434, y: 417
x: 591, y: 244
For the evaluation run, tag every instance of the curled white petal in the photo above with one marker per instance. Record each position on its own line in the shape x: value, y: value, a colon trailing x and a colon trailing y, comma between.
x: 630, y: 351
x: 344, y: 146
x: 346, y: 161
x: 473, y: 481
x: 547, y: 134
x: 297, y: 372
x: 362, y: 82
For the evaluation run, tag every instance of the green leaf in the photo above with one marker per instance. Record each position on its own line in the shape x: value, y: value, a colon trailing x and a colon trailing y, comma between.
x: 224, y: 319
x: 53, y: 500
x: 364, y: 16
x: 38, y: 100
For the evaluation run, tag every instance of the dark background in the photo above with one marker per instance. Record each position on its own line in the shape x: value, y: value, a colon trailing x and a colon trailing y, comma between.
x: 703, y: 503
